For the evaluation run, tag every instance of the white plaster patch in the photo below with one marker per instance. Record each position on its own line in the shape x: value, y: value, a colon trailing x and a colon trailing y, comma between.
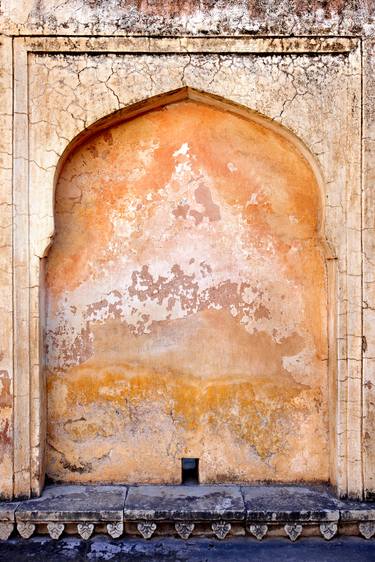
x: 253, y: 199
x: 182, y: 151
x: 233, y: 310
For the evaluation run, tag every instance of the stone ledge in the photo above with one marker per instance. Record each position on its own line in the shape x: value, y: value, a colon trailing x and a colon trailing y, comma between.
x: 290, y: 503
x: 75, y: 503
x: 184, y: 511
x: 186, y: 503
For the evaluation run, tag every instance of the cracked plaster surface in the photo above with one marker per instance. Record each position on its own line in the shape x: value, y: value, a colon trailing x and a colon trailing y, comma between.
x: 182, y: 17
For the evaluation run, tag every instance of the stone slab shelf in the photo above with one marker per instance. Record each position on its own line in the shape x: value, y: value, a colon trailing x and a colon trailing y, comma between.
x: 184, y: 511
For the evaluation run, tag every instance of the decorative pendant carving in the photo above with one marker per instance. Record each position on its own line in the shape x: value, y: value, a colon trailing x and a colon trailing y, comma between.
x: 184, y: 529
x: 25, y: 529
x: 115, y: 529
x: 6, y: 530
x: 55, y: 530
x: 146, y: 528
x: 328, y: 530
x: 221, y: 529
x: 85, y: 530
x: 367, y: 529
x: 259, y: 531
x: 293, y: 531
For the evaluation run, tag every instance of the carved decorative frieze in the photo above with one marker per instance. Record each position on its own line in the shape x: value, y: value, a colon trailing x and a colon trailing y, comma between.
x: 146, y: 528
x: 293, y: 531
x: 115, y: 529
x: 85, y: 530
x: 6, y: 530
x: 367, y: 529
x: 328, y: 530
x: 184, y: 529
x: 25, y: 529
x: 221, y: 529
x: 259, y: 531
x: 55, y: 529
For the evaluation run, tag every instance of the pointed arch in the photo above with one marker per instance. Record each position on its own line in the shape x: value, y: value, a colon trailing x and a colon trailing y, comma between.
x: 263, y: 315
x: 188, y: 93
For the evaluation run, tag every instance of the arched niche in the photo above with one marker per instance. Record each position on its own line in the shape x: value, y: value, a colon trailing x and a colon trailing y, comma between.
x: 187, y: 300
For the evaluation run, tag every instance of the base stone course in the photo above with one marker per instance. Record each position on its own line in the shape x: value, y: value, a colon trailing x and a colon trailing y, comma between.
x: 221, y: 512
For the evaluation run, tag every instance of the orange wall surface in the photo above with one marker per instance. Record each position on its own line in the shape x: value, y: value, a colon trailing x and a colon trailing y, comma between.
x: 186, y: 305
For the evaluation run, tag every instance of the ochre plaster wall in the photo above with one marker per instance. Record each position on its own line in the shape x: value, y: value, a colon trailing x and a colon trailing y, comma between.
x: 186, y: 305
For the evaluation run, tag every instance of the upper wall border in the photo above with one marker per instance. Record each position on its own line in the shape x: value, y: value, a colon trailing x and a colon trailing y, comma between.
x: 153, y: 45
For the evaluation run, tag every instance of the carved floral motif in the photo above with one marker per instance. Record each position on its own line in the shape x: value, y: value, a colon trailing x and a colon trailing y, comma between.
x: 328, y: 530
x: 25, y: 529
x: 147, y: 529
x: 367, y: 529
x: 55, y: 529
x: 259, y: 531
x: 184, y: 529
x: 6, y: 530
x: 115, y: 529
x: 221, y: 529
x: 293, y: 531
x: 85, y: 530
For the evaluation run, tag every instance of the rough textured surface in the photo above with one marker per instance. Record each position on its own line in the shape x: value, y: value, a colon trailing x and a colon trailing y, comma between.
x: 195, y: 550
x: 169, y: 333
x: 172, y: 17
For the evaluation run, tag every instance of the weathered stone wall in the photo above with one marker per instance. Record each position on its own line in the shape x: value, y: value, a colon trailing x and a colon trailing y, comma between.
x: 181, y: 17
x: 322, y: 89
